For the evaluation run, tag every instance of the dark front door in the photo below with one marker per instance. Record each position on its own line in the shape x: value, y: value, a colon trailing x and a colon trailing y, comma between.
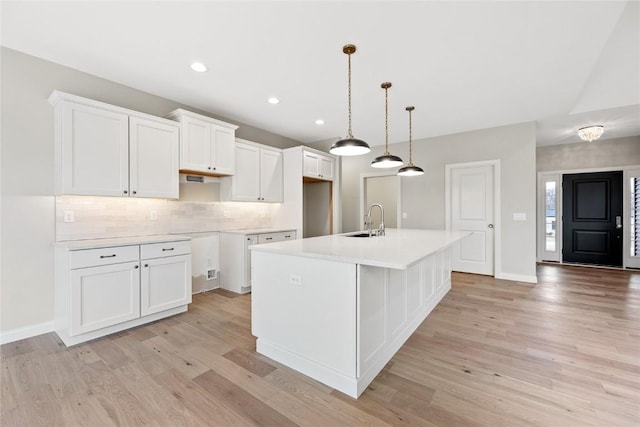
x: 592, y: 218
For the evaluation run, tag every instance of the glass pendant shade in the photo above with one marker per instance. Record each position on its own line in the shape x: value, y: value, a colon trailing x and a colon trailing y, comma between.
x: 349, y: 146
x: 387, y: 161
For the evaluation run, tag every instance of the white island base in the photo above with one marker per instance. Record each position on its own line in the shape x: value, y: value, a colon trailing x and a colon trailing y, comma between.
x: 340, y: 322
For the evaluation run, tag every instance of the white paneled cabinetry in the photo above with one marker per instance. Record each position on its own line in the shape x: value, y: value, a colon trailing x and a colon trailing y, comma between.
x: 207, y: 144
x: 102, y: 290
x: 258, y: 175
x: 235, y: 258
x: 317, y: 166
x: 104, y: 150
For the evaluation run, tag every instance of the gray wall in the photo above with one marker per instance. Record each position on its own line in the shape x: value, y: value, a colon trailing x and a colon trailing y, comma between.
x: 423, y: 197
x: 27, y: 223
x: 589, y: 155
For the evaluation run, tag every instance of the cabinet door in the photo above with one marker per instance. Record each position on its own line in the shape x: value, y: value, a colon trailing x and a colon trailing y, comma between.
x: 195, y: 146
x: 271, y: 175
x: 224, y: 150
x: 104, y: 296
x: 246, y: 180
x: 310, y: 165
x: 326, y: 168
x: 153, y: 154
x: 94, y: 151
x: 165, y: 283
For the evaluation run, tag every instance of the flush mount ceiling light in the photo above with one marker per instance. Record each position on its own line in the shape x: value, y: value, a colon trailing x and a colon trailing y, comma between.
x: 319, y: 122
x: 590, y: 133
x: 410, y: 169
x: 387, y: 160
x: 349, y: 146
x: 273, y: 100
x: 199, y: 67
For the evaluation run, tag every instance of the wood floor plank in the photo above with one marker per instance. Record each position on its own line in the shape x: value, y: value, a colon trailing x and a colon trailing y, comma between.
x: 562, y: 352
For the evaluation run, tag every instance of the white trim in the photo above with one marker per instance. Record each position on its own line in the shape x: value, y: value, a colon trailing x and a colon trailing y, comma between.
x: 364, y: 176
x: 627, y: 260
x: 497, y: 204
x: 517, y: 277
x: 26, y: 332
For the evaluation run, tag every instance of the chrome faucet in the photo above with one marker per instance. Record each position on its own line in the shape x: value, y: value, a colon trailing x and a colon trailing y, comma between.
x: 368, y: 221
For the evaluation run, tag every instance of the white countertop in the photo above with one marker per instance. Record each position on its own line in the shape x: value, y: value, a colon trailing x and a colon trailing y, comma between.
x: 74, y: 245
x: 257, y: 230
x: 398, y: 249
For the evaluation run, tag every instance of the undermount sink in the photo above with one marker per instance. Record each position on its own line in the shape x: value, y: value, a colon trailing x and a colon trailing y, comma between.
x: 359, y: 235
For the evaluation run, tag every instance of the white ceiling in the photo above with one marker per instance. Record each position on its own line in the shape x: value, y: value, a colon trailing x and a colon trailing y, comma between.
x: 464, y: 65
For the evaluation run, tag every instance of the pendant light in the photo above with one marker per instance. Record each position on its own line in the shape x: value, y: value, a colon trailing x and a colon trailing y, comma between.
x: 387, y: 160
x: 349, y: 146
x: 410, y: 169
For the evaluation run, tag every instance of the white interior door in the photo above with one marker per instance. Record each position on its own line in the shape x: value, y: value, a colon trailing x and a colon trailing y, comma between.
x: 472, y: 209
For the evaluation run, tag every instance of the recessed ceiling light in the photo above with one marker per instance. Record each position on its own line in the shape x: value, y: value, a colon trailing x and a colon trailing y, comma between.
x: 319, y: 122
x: 273, y: 100
x: 199, y: 67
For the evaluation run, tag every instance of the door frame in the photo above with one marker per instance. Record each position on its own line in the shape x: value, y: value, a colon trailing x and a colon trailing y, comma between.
x: 627, y: 171
x: 363, y: 180
x: 497, y: 240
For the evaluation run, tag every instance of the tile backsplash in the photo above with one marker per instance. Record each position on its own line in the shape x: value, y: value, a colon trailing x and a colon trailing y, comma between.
x: 107, y: 217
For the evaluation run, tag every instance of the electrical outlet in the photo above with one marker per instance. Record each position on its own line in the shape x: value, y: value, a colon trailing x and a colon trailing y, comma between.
x: 212, y: 274
x: 68, y: 216
x: 294, y: 279
x: 520, y: 216
x: 153, y: 215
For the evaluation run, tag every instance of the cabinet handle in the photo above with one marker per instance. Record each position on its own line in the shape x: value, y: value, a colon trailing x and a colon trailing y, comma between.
x: 146, y: 265
x: 135, y: 266
x: 126, y: 192
x: 107, y: 256
x: 287, y: 236
x: 269, y: 238
x: 167, y: 249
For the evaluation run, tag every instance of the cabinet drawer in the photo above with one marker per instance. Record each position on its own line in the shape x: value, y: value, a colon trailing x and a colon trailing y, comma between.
x: 159, y: 250
x: 276, y: 237
x: 103, y: 256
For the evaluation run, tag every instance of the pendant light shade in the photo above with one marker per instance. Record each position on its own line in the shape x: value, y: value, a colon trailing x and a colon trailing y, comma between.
x: 410, y: 169
x: 349, y: 146
x: 387, y: 160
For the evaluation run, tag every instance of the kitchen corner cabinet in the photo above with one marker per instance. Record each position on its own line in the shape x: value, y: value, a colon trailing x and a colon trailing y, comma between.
x: 104, y: 150
x: 102, y: 290
x: 207, y: 145
x: 317, y: 165
x: 258, y: 176
x: 235, y: 260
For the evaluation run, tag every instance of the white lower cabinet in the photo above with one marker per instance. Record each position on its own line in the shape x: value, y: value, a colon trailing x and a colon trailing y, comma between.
x: 104, y: 296
x: 235, y: 256
x: 99, y: 291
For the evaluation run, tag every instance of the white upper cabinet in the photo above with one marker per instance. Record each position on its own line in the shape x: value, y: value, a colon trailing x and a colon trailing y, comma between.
x: 207, y: 144
x: 153, y: 158
x: 317, y: 165
x: 258, y: 174
x: 104, y: 150
x: 270, y: 175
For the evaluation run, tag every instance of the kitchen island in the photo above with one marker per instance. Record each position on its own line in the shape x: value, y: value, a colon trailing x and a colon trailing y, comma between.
x: 337, y: 308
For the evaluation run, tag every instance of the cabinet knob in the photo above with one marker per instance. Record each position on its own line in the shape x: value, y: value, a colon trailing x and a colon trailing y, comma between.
x: 126, y: 192
x: 135, y: 266
x: 214, y: 168
x: 134, y: 192
x: 146, y: 265
x: 209, y: 167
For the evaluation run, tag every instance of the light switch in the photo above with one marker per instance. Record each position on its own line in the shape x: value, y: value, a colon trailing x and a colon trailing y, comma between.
x: 519, y: 216
x: 294, y: 279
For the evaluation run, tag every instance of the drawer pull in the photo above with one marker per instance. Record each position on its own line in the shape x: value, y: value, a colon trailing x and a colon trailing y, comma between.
x: 269, y: 238
x: 167, y: 249
x: 107, y: 256
x: 146, y: 265
x: 288, y: 236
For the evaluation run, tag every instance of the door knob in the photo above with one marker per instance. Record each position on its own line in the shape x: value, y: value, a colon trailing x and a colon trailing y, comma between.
x: 490, y: 225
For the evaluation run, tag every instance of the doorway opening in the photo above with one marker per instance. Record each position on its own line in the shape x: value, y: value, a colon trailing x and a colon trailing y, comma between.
x: 384, y: 189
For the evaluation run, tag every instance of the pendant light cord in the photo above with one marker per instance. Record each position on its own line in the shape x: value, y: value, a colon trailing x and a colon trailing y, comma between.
x: 410, y: 151
x: 350, y: 133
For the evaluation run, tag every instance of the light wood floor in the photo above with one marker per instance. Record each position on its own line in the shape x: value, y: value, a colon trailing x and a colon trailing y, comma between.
x: 565, y: 352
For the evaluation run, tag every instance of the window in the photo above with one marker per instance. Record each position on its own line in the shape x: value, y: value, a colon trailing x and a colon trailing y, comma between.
x: 550, y: 216
x: 635, y: 216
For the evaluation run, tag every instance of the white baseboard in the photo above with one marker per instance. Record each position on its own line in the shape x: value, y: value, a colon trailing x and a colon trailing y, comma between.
x: 517, y: 277
x: 26, y: 332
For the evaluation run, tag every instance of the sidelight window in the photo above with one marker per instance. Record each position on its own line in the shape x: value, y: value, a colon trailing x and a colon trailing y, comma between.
x: 635, y: 216
x: 551, y: 218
